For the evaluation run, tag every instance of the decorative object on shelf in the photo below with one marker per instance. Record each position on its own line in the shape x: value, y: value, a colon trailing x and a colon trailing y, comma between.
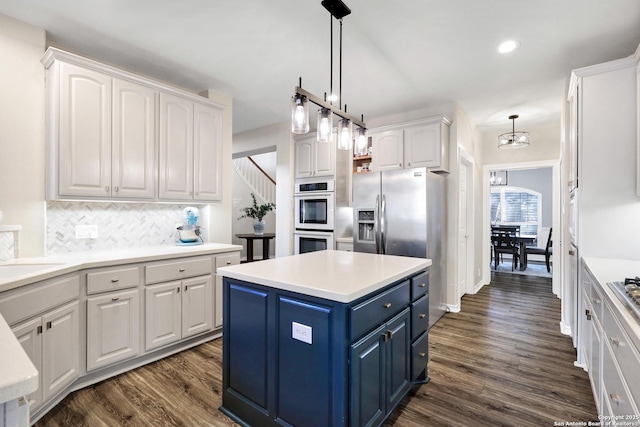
x: 299, y: 101
x: 498, y: 178
x: 513, y: 139
x: 257, y: 213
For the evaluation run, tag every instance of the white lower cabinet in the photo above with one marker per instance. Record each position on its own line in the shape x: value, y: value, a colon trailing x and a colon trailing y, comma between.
x: 177, y: 310
x: 51, y: 342
x: 113, y: 324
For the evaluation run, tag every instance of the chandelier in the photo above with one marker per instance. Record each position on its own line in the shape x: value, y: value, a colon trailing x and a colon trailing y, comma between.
x: 301, y: 98
x: 513, y: 139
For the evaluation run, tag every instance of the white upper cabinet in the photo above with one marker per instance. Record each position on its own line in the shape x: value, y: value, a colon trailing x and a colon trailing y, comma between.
x: 423, y: 143
x: 314, y: 159
x: 176, y: 148
x: 207, y: 152
x: 112, y: 134
x: 84, y: 149
x: 133, y: 141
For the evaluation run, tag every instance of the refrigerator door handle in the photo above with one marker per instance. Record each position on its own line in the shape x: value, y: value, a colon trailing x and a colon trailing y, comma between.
x: 383, y: 226
x: 375, y: 224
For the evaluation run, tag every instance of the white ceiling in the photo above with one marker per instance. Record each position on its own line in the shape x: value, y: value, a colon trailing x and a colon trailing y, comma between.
x: 398, y: 55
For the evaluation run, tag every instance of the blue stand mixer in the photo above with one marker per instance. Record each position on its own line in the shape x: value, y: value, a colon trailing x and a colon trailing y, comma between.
x: 188, y: 234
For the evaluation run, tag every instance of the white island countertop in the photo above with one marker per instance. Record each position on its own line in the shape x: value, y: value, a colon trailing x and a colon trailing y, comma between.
x: 334, y: 275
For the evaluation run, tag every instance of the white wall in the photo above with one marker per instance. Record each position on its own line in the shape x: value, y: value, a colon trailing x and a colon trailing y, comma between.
x: 278, y: 135
x: 22, y: 152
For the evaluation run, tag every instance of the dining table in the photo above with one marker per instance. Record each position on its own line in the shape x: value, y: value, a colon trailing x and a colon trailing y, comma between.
x: 523, y: 240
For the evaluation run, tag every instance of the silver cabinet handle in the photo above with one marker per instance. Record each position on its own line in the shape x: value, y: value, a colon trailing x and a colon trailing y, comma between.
x: 228, y: 262
x: 422, y: 285
x: 116, y: 280
x: 181, y: 269
x: 115, y: 298
x: 117, y: 188
x: 422, y: 354
x: 387, y: 305
x: 106, y: 189
x: 615, y: 341
x: 422, y: 315
x: 615, y: 398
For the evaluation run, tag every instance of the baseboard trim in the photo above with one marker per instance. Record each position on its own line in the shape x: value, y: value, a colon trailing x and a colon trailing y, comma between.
x: 453, y: 308
x: 478, y: 286
x: 565, y: 329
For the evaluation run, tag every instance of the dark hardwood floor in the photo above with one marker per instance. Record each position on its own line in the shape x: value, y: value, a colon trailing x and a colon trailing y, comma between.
x: 501, y: 361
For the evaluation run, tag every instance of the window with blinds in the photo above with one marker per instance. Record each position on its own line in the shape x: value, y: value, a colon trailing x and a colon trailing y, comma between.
x: 516, y: 206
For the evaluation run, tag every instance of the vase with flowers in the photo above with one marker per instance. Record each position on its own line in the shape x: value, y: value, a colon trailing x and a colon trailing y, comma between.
x: 257, y: 212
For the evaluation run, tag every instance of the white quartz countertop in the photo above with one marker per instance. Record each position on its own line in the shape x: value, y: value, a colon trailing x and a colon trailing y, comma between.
x: 334, y: 275
x: 18, y: 376
x: 22, y: 271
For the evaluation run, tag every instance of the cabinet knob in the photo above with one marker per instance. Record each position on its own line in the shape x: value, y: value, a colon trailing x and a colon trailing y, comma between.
x: 615, y: 398
x: 181, y: 269
x: 49, y: 325
x: 422, y: 354
x: 615, y: 341
x: 115, y: 298
x: 228, y: 262
x: 400, y: 164
x: 422, y: 315
x: 106, y: 189
x: 422, y: 285
x: 387, y: 305
x: 178, y: 289
x: 595, y: 301
x: 588, y: 314
x: 186, y: 288
x: 409, y: 164
x: 39, y: 330
x: 116, y: 280
x: 117, y: 189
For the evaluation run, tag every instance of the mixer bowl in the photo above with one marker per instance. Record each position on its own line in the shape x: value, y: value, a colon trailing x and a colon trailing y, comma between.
x: 188, y: 235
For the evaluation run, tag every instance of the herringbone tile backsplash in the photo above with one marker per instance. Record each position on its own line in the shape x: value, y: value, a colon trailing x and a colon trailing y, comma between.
x: 120, y: 225
x: 6, y: 246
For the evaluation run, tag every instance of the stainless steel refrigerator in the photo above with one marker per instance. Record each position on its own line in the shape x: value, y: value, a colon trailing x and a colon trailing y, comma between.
x: 402, y: 212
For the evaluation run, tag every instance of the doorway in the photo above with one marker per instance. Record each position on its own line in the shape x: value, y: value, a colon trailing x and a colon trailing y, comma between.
x: 466, y: 259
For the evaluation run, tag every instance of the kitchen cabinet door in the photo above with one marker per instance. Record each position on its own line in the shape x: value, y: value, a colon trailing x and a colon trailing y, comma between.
x: 84, y: 146
x: 324, y: 158
x: 163, y: 314
x: 197, y: 306
x: 304, y: 149
x: 207, y: 152
x: 368, y: 379
x: 425, y: 146
x: 176, y: 148
x: 29, y: 334
x: 388, y: 150
x: 133, y: 141
x: 113, y: 324
x: 60, y: 349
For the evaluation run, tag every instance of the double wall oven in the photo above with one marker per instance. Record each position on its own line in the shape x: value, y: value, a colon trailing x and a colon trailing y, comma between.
x: 314, y: 216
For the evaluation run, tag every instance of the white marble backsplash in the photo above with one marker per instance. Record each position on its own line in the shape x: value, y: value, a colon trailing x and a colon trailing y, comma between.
x: 6, y: 246
x: 120, y: 225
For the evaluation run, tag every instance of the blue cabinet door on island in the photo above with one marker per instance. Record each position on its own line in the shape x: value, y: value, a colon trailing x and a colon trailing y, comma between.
x: 292, y: 360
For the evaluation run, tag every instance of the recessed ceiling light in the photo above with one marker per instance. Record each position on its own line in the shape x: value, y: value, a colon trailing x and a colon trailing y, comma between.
x: 508, y: 46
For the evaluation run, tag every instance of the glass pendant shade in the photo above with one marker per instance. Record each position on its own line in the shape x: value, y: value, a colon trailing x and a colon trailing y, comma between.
x: 513, y: 139
x: 361, y: 142
x: 325, y: 125
x: 345, y: 140
x: 299, y: 114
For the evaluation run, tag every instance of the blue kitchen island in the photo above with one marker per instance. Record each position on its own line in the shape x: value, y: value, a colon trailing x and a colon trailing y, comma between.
x: 327, y: 338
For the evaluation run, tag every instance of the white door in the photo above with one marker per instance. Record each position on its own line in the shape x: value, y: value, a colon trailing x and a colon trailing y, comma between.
x: 176, y: 148
x: 133, y: 141
x: 207, y: 152
x: 324, y: 158
x: 163, y: 318
x: 113, y: 324
x: 29, y: 334
x: 197, y: 305
x: 387, y: 150
x: 463, y: 232
x: 60, y: 349
x: 84, y: 149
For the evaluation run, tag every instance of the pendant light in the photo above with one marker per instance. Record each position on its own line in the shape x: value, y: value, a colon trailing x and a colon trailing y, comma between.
x: 513, y: 139
x: 361, y: 142
x: 299, y: 102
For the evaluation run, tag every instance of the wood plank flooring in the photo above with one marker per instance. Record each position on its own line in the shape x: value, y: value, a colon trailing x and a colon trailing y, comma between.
x: 501, y: 361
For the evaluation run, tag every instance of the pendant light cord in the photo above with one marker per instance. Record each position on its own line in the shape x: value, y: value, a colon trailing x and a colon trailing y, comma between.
x: 340, y: 87
x: 331, y: 60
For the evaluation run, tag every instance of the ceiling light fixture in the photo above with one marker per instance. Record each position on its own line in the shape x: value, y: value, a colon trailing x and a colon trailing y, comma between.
x: 513, y: 139
x: 300, y: 105
x: 508, y: 46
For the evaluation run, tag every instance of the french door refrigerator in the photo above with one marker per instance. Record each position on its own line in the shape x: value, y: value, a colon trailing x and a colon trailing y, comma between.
x: 401, y: 212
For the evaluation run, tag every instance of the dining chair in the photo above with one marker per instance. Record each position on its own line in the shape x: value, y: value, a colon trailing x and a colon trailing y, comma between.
x: 547, y: 251
x: 504, y: 242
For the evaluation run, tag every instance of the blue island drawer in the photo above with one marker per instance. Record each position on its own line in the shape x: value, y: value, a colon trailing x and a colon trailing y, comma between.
x: 419, y: 285
x: 419, y: 316
x: 419, y: 355
x: 375, y: 311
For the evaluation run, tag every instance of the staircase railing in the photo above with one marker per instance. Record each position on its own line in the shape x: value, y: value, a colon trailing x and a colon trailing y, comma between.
x: 260, y: 183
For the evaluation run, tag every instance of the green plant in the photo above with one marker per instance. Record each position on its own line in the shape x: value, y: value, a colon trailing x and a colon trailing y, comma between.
x: 255, y: 211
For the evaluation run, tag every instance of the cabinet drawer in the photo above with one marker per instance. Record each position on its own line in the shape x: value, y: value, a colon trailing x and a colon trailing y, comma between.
x: 178, y: 269
x: 35, y: 299
x: 624, y: 352
x: 228, y: 259
x: 419, y: 316
x: 112, y: 279
x: 375, y: 311
x: 615, y: 393
x: 419, y: 355
x: 419, y: 285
